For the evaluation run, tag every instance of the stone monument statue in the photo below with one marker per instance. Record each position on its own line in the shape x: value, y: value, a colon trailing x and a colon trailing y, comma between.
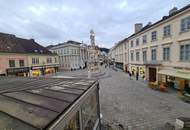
x: 93, y: 63
x: 92, y: 37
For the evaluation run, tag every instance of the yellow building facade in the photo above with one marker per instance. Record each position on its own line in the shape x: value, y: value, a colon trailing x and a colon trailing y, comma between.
x: 43, y: 64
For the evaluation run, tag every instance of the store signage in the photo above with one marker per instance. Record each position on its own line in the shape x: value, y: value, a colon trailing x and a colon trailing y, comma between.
x: 36, y: 67
x: 55, y: 65
x: 18, y: 70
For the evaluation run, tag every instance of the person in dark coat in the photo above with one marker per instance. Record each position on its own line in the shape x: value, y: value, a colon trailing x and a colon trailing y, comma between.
x: 130, y: 74
x: 137, y: 76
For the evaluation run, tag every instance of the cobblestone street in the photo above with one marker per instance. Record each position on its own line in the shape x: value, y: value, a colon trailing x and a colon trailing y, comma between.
x: 133, y: 104
x: 136, y: 106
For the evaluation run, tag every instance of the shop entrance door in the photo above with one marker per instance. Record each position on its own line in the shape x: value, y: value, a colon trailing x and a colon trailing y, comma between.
x: 152, y: 74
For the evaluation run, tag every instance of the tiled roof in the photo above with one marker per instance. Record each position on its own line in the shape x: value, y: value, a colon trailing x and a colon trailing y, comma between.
x: 12, y: 44
x: 35, y: 103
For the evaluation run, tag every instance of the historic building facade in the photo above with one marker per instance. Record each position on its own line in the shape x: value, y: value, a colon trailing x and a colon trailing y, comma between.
x: 119, y: 55
x: 23, y: 57
x: 159, y: 51
x: 13, y: 64
x: 162, y: 48
x: 72, y: 55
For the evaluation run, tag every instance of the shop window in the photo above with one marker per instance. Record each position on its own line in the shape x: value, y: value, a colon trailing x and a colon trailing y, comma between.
x: 11, y: 63
x: 21, y: 63
x: 89, y: 112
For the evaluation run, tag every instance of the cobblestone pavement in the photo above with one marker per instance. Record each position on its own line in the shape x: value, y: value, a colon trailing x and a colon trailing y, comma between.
x: 133, y: 105
x: 137, y: 107
x: 83, y: 73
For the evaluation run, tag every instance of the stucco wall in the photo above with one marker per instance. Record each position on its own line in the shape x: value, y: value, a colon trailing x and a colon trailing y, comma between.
x: 177, y: 38
x: 5, y: 57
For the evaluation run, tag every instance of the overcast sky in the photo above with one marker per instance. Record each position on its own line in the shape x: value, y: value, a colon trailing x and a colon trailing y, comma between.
x: 56, y: 21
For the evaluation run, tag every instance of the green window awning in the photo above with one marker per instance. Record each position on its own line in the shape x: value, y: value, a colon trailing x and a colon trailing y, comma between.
x: 175, y: 73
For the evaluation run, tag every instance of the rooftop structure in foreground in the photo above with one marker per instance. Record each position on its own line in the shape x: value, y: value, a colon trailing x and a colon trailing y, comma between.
x: 56, y: 104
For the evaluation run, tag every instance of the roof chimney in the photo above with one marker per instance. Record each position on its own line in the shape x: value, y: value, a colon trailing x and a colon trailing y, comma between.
x: 138, y: 27
x: 32, y: 40
x: 173, y: 10
x: 149, y: 23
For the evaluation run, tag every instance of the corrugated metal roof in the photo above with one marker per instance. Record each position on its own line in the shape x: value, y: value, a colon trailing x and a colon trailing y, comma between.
x: 33, y: 103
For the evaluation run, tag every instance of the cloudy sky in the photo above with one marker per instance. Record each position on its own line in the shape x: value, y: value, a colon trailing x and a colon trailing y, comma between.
x: 56, y: 21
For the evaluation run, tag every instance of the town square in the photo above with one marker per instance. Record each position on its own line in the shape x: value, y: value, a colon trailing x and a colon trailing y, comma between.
x: 95, y: 65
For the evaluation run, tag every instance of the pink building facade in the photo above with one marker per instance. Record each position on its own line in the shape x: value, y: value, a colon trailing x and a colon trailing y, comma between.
x: 13, y: 64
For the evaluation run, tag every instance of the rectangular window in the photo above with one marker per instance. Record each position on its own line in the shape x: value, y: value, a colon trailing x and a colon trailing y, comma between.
x: 35, y: 60
x: 153, y: 54
x: 137, y: 42
x: 65, y: 51
x: 167, y: 31
x: 72, y: 51
x: 49, y: 60
x: 166, y: 54
x: 131, y: 43
x: 132, y: 56
x: 154, y: 36
x: 144, y: 55
x: 137, y: 56
x: 68, y: 51
x: 185, y: 24
x: 185, y: 52
x: 11, y: 63
x: 21, y: 63
x: 125, y: 45
x: 144, y: 38
x: 56, y: 59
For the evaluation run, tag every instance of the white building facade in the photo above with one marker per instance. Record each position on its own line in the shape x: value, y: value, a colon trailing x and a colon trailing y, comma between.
x: 119, y: 54
x: 72, y: 55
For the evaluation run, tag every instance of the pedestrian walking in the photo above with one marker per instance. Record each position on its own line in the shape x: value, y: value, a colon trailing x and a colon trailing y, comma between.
x: 137, y: 76
x: 130, y: 74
